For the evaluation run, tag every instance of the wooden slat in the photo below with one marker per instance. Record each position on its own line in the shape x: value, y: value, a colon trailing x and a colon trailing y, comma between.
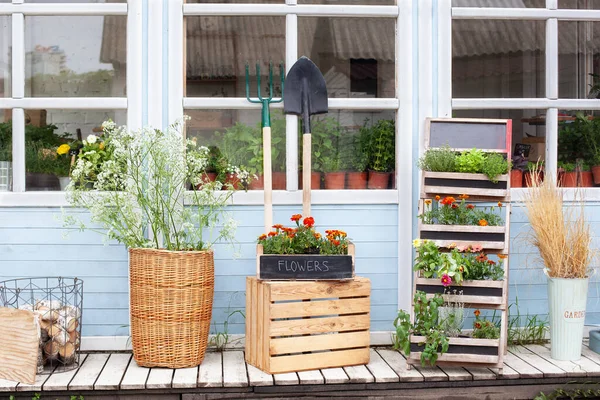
x: 40, y: 379
x: 113, y: 372
x: 251, y: 310
x: 496, y: 194
x: 60, y: 381
x: 89, y: 372
x: 463, y: 176
x: 288, y: 378
x: 484, y: 284
x: 211, y: 370
x: 524, y: 369
x: 359, y: 374
x: 313, y: 377
x: 135, y: 377
x: 471, y: 300
x: 257, y: 377
x: 335, y: 376
x: 592, y: 355
x: 431, y: 373
x: 486, y: 244
x: 19, y: 350
x: 359, y: 287
x: 380, y: 370
x: 571, y: 368
x: 398, y: 363
x: 461, y: 341
x: 549, y: 370
x: 185, y: 378
x: 8, y: 386
x: 305, y: 362
x: 481, y: 374
x: 160, y: 378
x: 264, y: 326
x: 320, y: 307
x: 234, y: 369
x: 300, y: 344
x: 320, y: 325
x: 461, y: 228
x: 507, y: 373
x: 461, y: 358
x: 456, y: 373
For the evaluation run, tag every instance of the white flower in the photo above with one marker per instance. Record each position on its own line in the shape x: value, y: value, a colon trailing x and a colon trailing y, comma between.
x: 91, y: 139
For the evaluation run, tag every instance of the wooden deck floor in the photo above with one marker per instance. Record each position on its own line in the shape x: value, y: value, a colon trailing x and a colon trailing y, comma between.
x: 528, y: 370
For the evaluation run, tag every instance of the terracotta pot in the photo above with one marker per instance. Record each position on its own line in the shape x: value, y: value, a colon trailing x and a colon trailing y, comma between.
x: 257, y: 184
x: 527, y: 178
x: 279, y: 181
x: 516, y: 178
x: 586, y: 179
x: 335, y: 180
x: 378, y: 180
x: 315, y: 180
x: 233, y: 180
x: 568, y: 179
x: 356, y: 180
x: 596, y: 173
x: 207, y: 177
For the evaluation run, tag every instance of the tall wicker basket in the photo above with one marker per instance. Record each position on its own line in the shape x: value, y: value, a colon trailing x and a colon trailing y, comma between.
x: 171, y: 306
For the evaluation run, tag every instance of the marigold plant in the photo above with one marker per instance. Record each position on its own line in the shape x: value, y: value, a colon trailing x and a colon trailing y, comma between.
x: 449, y: 211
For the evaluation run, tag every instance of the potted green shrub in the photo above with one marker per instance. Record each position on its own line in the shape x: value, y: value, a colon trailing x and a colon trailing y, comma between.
x: 326, y: 133
x: 535, y: 171
x: 586, y: 178
x: 357, y: 160
x: 567, y: 174
x: 382, y: 153
x: 334, y: 176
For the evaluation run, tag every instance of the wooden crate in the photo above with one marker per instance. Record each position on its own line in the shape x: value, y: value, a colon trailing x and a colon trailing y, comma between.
x: 308, y: 267
x: 489, y: 237
x: 485, y: 293
x: 20, y: 344
x: 297, y: 326
x: 477, y: 186
x: 483, y: 352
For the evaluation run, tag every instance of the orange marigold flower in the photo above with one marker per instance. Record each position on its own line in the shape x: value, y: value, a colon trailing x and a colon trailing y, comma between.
x: 309, y: 221
x: 483, y: 222
x: 477, y: 313
x: 317, y: 235
x: 342, y: 234
x: 454, y: 206
x: 477, y: 325
x: 296, y: 217
x: 336, y: 242
x: 463, y: 196
x: 291, y: 235
x: 262, y: 237
x: 481, y: 257
x: 470, y: 206
x: 278, y: 226
x: 271, y: 234
x: 502, y: 256
x: 491, y: 262
x: 461, y: 268
x: 500, y: 204
x: 437, y: 198
x: 428, y: 202
x: 448, y: 200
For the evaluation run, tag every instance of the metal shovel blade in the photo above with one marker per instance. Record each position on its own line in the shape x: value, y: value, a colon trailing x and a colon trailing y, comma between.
x: 305, y: 92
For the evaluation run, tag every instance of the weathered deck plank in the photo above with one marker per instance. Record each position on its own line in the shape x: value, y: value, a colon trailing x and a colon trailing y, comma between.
x: 380, y: 369
x: 311, y: 377
x: 572, y: 368
x: 61, y: 381
x: 523, y: 369
x: 290, y: 378
x: 39, y: 381
x: 398, y: 363
x: 507, y: 373
x: 135, y: 377
x: 481, y: 374
x: 211, y: 370
x: 113, y: 372
x: 258, y: 377
x: 548, y: 369
x: 431, y: 373
x: 160, y: 378
x: 8, y: 386
x: 234, y: 369
x: 89, y: 372
x: 185, y: 378
x: 359, y: 374
x: 456, y: 373
x: 335, y: 376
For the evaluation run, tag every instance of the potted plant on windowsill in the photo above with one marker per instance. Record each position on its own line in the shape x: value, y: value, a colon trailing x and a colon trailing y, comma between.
x: 561, y: 234
x: 40, y: 166
x: 519, y: 164
x: 357, y: 160
x: 141, y: 202
x: 5, y: 157
x: 535, y: 171
x: 334, y: 176
x: 567, y: 174
x: 382, y: 153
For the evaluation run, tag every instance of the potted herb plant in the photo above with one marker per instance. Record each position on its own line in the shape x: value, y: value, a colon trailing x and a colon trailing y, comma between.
x: 561, y: 234
x: 63, y: 165
x: 334, y: 176
x: 586, y: 178
x: 171, y: 262
x: 382, y: 153
x: 519, y: 164
x: 40, y: 165
x: 567, y: 174
x: 357, y: 160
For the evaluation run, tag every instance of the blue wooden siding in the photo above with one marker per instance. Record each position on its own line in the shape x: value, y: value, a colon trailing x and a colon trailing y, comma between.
x: 33, y: 243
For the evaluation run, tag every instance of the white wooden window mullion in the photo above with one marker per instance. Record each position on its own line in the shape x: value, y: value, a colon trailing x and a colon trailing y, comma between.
x: 291, y: 121
x: 175, y: 63
x: 155, y: 62
x: 65, y: 103
x: 240, y: 103
x: 551, y: 156
x: 524, y: 103
x: 284, y: 9
x: 444, y: 51
x: 18, y: 91
x: 63, y: 9
x: 134, y: 64
x: 524, y: 13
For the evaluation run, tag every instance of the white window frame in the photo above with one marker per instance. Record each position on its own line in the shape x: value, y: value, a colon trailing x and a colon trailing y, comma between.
x: 551, y: 102
x: 18, y: 102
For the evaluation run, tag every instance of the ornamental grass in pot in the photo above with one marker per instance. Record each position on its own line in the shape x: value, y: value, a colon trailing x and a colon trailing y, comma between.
x: 139, y: 201
x: 562, y: 236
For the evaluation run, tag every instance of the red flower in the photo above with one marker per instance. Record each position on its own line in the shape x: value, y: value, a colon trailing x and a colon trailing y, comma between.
x: 336, y: 242
x: 446, y: 280
x: 278, y: 226
x: 470, y: 206
x: 491, y: 262
x: 477, y: 325
x: 437, y: 198
x: 317, y: 235
x: 296, y: 217
x: 271, y: 234
x: 309, y: 222
x: 448, y: 200
x: 262, y: 237
x: 481, y: 257
x: 477, y: 313
x: 454, y: 206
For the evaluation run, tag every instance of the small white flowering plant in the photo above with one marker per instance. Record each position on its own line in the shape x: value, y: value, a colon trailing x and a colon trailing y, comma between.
x: 140, y: 190
x: 93, y: 153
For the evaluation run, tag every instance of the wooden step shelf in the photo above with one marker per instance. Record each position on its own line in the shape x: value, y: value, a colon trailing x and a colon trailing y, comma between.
x: 456, y: 183
x: 489, y: 237
x: 461, y: 351
x: 296, y: 326
x: 481, y: 294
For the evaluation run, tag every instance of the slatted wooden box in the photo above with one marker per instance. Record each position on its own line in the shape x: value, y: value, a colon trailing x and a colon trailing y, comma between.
x: 297, y: 326
x: 484, y: 293
x: 484, y: 352
x: 474, y: 185
x: 489, y: 237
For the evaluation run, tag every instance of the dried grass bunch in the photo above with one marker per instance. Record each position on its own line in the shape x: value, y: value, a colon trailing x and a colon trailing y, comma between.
x: 561, y: 234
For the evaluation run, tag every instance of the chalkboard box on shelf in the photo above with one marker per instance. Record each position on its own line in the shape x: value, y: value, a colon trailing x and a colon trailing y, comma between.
x: 311, y: 267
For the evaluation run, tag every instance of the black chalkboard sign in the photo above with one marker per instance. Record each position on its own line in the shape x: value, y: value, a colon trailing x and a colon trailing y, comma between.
x: 305, y: 267
x: 522, y: 149
x: 463, y: 134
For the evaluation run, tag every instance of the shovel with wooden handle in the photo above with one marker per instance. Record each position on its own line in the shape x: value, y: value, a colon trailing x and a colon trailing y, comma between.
x: 305, y: 94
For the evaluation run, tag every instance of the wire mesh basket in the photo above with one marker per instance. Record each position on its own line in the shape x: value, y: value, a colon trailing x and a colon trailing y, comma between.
x: 58, y: 303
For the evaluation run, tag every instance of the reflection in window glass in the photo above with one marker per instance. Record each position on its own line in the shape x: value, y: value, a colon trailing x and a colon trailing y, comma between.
x: 75, y: 1
x: 498, y: 58
x: 579, y: 59
x: 5, y: 56
x: 5, y: 153
x: 356, y: 55
x: 351, y: 2
x: 579, y: 4
x: 352, y: 150
x: 51, y: 138
x: 235, y: 139
x: 75, y: 56
x: 237, y: 1
x: 218, y: 49
x: 501, y: 3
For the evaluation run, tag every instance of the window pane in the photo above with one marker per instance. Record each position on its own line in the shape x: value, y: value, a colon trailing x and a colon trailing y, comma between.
x: 5, y: 56
x: 356, y: 55
x: 235, y: 139
x: 352, y: 150
x: 579, y: 59
x: 75, y: 1
x: 579, y: 4
x: 498, y: 58
x: 501, y: 3
x: 75, y: 56
x: 351, y: 2
x: 218, y: 49
x: 236, y: 1
x: 5, y: 153
x: 46, y: 130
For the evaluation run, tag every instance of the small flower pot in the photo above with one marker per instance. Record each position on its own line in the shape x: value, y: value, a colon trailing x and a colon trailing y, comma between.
x: 207, y: 177
x: 279, y: 181
x: 596, y: 174
x: 516, y: 178
x: 257, y: 184
x: 64, y: 182
x: 233, y: 180
x: 378, y: 180
x: 356, y: 180
x: 586, y: 179
x: 315, y: 180
x: 529, y: 181
x: 335, y: 180
x: 568, y: 179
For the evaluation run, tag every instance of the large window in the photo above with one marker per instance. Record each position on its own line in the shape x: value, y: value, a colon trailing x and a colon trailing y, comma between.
x: 541, y: 69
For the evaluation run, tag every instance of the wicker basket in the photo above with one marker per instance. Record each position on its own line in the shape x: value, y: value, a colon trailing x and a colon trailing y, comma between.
x: 171, y: 306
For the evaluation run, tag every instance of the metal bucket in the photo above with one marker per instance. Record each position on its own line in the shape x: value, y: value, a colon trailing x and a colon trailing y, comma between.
x: 5, y: 176
x: 567, y: 302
